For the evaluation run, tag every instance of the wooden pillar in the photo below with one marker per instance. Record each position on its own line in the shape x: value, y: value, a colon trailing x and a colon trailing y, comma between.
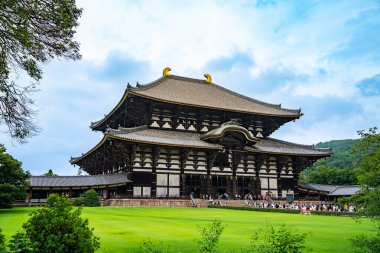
x: 183, y: 185
x: 234, y: 186
x: 155, y: 156
x: 70, y: 193
x: 211, y: 156
x: 183, y: 158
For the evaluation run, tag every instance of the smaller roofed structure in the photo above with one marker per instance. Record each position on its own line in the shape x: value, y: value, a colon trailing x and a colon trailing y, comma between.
x: 328, y: 192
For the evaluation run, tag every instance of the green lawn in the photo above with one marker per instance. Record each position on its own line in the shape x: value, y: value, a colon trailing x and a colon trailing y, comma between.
x: 122, y: 229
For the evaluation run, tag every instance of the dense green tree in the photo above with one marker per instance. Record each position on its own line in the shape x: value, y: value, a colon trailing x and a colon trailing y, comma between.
x: 59, y: 228
x: 333, y: 176
x: 369, y: 173
x: 368, y: 200
x: 31, y: 32
x: 50, y: 173
x: 339, y: 169
x: 13, y: 180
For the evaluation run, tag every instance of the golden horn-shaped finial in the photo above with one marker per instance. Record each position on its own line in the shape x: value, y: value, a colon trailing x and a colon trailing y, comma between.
x: 165, y: 72
x: 208, y: 78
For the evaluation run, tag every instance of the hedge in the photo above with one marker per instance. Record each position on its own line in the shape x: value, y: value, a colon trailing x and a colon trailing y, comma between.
x: 274, y: 210
x: 277, y: 210
x: 329, y: 213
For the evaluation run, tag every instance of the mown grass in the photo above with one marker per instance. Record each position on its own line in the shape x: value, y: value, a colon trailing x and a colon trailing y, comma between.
x: 123, y: 229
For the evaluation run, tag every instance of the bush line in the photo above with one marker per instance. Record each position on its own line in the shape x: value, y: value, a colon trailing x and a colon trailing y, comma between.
x: 276, y: 210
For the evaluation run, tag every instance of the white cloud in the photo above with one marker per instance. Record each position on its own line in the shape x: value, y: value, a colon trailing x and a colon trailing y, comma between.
x: 186, y: 35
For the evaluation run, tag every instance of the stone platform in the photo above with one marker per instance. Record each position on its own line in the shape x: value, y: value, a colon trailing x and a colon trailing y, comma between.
x: 151, y: 202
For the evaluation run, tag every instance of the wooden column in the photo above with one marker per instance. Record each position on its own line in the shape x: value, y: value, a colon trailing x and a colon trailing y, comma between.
x: 183, y: 159
x: 281, y: 163
x: 211, y: 156
x: 155, y: 156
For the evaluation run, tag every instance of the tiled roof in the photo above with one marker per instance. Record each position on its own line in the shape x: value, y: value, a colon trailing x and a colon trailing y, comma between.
x: 332, y: 190
x: 318, y: 187
x: 161, y: 137
x: 71, y: 181
x: 146, y: 135
x: 345, y: 190
x: 198, y: 93
x: 270, y: 145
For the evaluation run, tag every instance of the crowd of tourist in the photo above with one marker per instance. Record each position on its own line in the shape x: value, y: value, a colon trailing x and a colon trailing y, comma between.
x: 267, y: 202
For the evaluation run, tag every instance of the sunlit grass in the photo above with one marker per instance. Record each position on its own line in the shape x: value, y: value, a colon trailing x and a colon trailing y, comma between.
x: 122, y: 229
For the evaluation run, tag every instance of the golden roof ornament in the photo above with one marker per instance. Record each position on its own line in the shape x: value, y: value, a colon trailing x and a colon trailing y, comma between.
x: 208, y: 78
x: 165, y: 72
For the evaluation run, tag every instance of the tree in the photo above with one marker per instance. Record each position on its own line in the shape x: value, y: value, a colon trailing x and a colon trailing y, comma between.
x: 368, y: 200
x: 332, y: 176
x: 210, y: 236
x: 90, y: 198
x: 14, y: 181
x: 59, y: 228
x: 31, y: 32
x: 50, y: 173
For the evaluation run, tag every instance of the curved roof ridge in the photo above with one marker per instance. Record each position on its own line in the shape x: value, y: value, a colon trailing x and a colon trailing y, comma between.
x: 132, y: 129
x: 106, y: 116
x: 201, y: 81
x: 297, y: 144
x: 147, y: 85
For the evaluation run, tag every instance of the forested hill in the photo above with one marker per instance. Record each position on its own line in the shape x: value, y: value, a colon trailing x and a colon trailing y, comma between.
x: 337, y: 169
x: 343, y: 156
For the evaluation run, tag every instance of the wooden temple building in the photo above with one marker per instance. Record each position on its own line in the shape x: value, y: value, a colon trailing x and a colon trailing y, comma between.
x: 178, y: 136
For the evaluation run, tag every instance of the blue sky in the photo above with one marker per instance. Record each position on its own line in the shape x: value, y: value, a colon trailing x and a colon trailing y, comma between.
x: 321, y: 56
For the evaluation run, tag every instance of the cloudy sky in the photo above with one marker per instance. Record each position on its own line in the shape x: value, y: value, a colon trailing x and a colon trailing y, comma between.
x: 321, y: 56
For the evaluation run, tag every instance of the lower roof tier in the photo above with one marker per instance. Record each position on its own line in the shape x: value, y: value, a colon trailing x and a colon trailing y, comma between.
x: 167, y: 138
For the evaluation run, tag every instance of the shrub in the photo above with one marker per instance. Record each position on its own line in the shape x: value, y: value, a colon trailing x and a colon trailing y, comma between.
x: 90, y: 198
x: 329, y: 213
x: 77, y: 201
x: 2, y: 242
x: 366, y: 243
x: 281, y: 240
x: 147, y: 246
x: 210, y: 236
x: 59, y: 228
x: 20, y: 242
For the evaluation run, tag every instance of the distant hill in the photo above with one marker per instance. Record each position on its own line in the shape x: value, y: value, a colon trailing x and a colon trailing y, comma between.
x: 337, y: 169
x: 343, y: 156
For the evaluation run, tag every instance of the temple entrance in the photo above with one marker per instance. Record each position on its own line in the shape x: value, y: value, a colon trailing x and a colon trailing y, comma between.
x: 219, y: 183
x: 244, y: 186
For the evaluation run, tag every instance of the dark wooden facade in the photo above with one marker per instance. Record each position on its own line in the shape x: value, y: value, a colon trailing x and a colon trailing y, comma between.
x: 174, y: 148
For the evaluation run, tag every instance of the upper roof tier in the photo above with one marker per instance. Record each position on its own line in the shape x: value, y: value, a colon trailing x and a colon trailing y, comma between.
x: 198, y: 93
x: 178, y: 90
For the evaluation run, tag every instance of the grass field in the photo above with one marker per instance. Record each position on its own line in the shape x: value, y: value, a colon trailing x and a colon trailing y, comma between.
x: 123, y: 229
